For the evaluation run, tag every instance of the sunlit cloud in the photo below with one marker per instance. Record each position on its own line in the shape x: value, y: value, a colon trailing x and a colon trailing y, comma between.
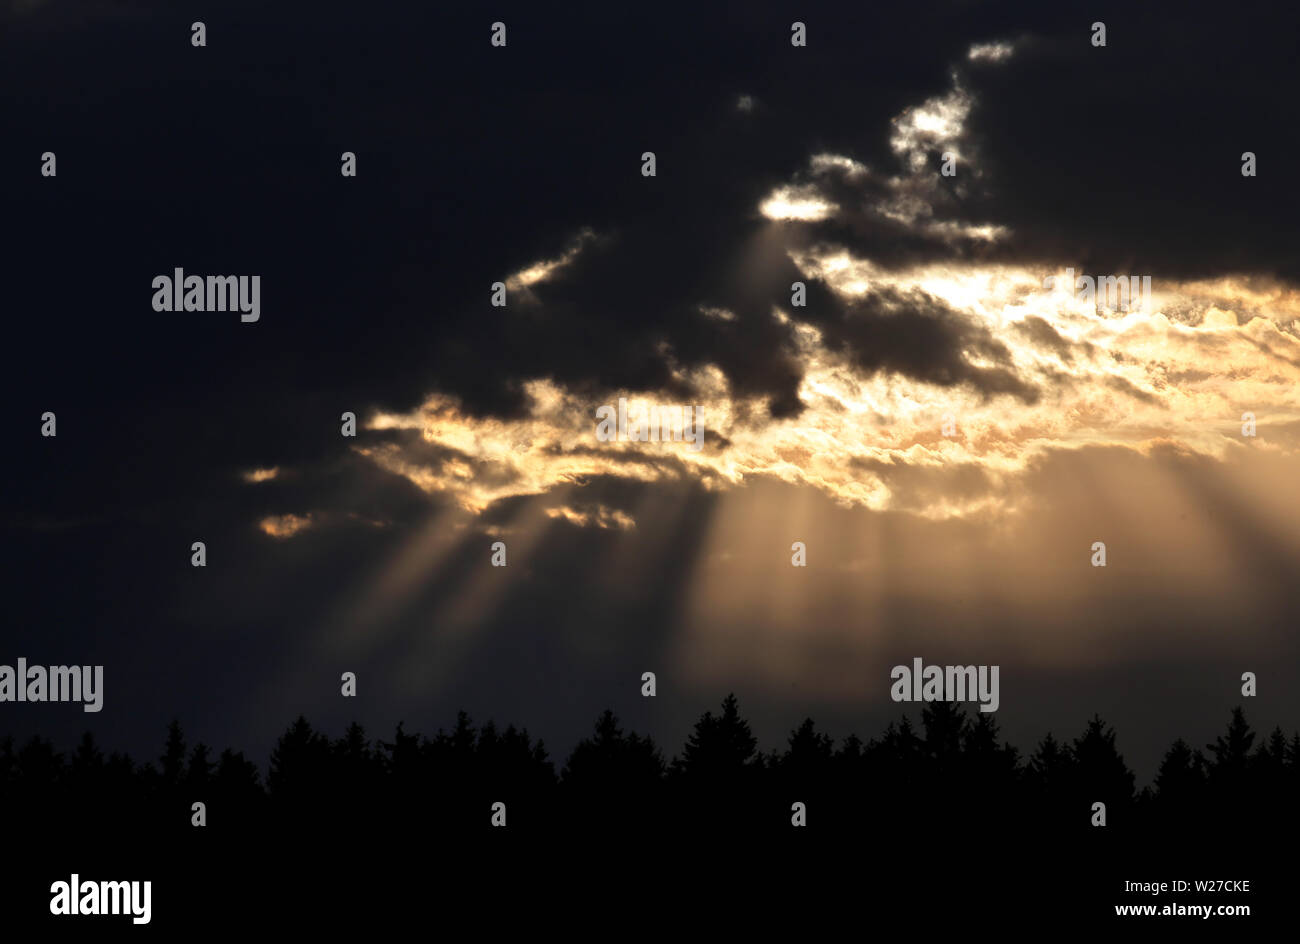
x: 826, y: 162
x: 990, y: 52
x: 547, y: 268
x: 717, y: 314
x: 597, y: 516
x: 1038, y: 369
x: 937, y: 124
x: 876, y: 440
x: 796, y: 203
x: 285, y: 526
x: 922, y: 138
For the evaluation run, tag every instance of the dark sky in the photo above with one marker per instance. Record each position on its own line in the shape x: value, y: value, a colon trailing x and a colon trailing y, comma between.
x: 475, y: 163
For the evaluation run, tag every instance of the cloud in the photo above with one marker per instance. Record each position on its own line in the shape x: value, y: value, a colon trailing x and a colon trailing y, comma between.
x: 795, y: 203
x: 991, y: 52
x: 285, y: 526
x: 523, y: 280
x: 1027, y: 371
x: 595, y: 516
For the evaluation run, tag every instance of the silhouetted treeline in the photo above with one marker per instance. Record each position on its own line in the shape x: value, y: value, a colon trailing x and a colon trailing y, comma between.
x: 955, y: 772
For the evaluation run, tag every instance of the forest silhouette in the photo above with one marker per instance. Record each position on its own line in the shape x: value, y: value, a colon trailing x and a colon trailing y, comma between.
x: 951, y: 772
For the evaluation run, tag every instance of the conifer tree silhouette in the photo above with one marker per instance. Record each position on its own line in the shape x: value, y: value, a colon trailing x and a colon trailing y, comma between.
x: 401, y: 758
x: 236, y: 792
x: 172, y: 762
x: 991, y: 769
x: 1048, y: 782
x: 452, y: 756
x: 510, y: 768
x: 1179, y: 788
x: 897, y: 764
x: 855, y: 793
x: 406, y: 766
x: 1099, y: 774
x: 87, y: 783
x: 40, y: 789
x: 937, y: 787
x: 612, y: 776
x: 958, y: 772
x: 299, y: 775
x: 804, y: 773
x: 1271, y: 775
x: 944, y: 723
x: 716, y: 772
x: 87, y: 759
x: 198, y: 772
x: 1229, y: 773
x: 611, y: 755
x: 1230, y: 753
x: 354, y: 773
x: 809, y: 754
x: 721, y: 747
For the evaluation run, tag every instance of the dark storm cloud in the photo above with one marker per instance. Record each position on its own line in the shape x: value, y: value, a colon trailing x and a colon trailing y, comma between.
x: 388, y: 280
x: 376, y: 289
x: 914, y: 334
x: 1128, y: 158
x: 1040, y: 333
